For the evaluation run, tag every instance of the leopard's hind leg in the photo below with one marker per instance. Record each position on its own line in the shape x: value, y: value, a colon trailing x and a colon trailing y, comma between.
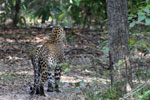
x: 42, y: 82
x: 50, y: 82
x: 57, y: 75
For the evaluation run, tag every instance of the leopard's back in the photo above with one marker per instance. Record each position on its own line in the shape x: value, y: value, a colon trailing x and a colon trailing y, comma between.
x: 52, y: 52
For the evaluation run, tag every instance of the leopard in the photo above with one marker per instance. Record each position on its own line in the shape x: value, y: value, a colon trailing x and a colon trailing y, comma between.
x: 46, y: 61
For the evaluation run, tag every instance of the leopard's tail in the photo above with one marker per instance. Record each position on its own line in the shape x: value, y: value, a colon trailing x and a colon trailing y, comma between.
x: 35, y: 87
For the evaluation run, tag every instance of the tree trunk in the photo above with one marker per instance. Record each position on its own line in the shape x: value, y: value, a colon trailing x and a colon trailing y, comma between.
x: 17, y: 9
x: 118, y: 42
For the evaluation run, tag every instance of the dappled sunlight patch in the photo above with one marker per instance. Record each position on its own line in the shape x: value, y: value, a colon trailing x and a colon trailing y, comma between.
x: 10, y: 40
x: 13, y: 58
x: 24, y: 72
x: 78, y: 78
x: 41, y: 39
x: 2, y: 73
x: 88, y: 71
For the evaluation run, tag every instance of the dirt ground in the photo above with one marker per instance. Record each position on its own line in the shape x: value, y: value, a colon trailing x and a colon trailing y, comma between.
x: 16, y: 72
x: 79, y: 79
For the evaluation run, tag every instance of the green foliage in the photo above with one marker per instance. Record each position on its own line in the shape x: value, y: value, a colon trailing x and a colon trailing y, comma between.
x: 9, y: 11
x: 110, y: 94
x: 144, y: 93
x: 70, y: 12
x: 105, y: 49
x: 65, y: 67
x: 104, y: 46
x: 139, y: 44
x: 70, y: 38
x: 140, y: 13
x: 80, y: 12
x: 96, y: 93
x: 49, y: 8
x: 6, y: 77
x: 145, y: 96
x: 132, y: 42
x: 84, y: 12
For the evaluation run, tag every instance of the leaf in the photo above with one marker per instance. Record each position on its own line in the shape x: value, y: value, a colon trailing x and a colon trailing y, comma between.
x: 147, y: 1
x: 78, y: 2
x: 147, y: 93
x: 145, y: 96
x: 141, y: 17
x: 69, y: 8
x: 147, y: 10
x: 71, y: 1
x: 147, y: 20
x: 14, y: 2
x: 96, y: 59
x: 22, y: 1
x: 132, y: 42
x: 70, y: 84
x: 130, y: 17
x: 82, y: 83
x: 66, y: 70
x: 22, y: 20
x: 132, y: 24
x: 24, y: 7
x: 16, y: 46
x: 105, y: 50
x: 140, y: 13
x: 60, y: 16
x: 77, y: 84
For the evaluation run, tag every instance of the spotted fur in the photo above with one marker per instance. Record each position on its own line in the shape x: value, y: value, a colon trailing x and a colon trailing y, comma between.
x: 46, y: 63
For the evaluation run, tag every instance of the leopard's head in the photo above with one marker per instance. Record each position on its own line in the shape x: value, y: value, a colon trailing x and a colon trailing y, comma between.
x: 58, y: 33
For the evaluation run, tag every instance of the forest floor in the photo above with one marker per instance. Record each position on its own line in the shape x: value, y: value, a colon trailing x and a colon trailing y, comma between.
x: 16, y: 72
x: 83, y: 51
